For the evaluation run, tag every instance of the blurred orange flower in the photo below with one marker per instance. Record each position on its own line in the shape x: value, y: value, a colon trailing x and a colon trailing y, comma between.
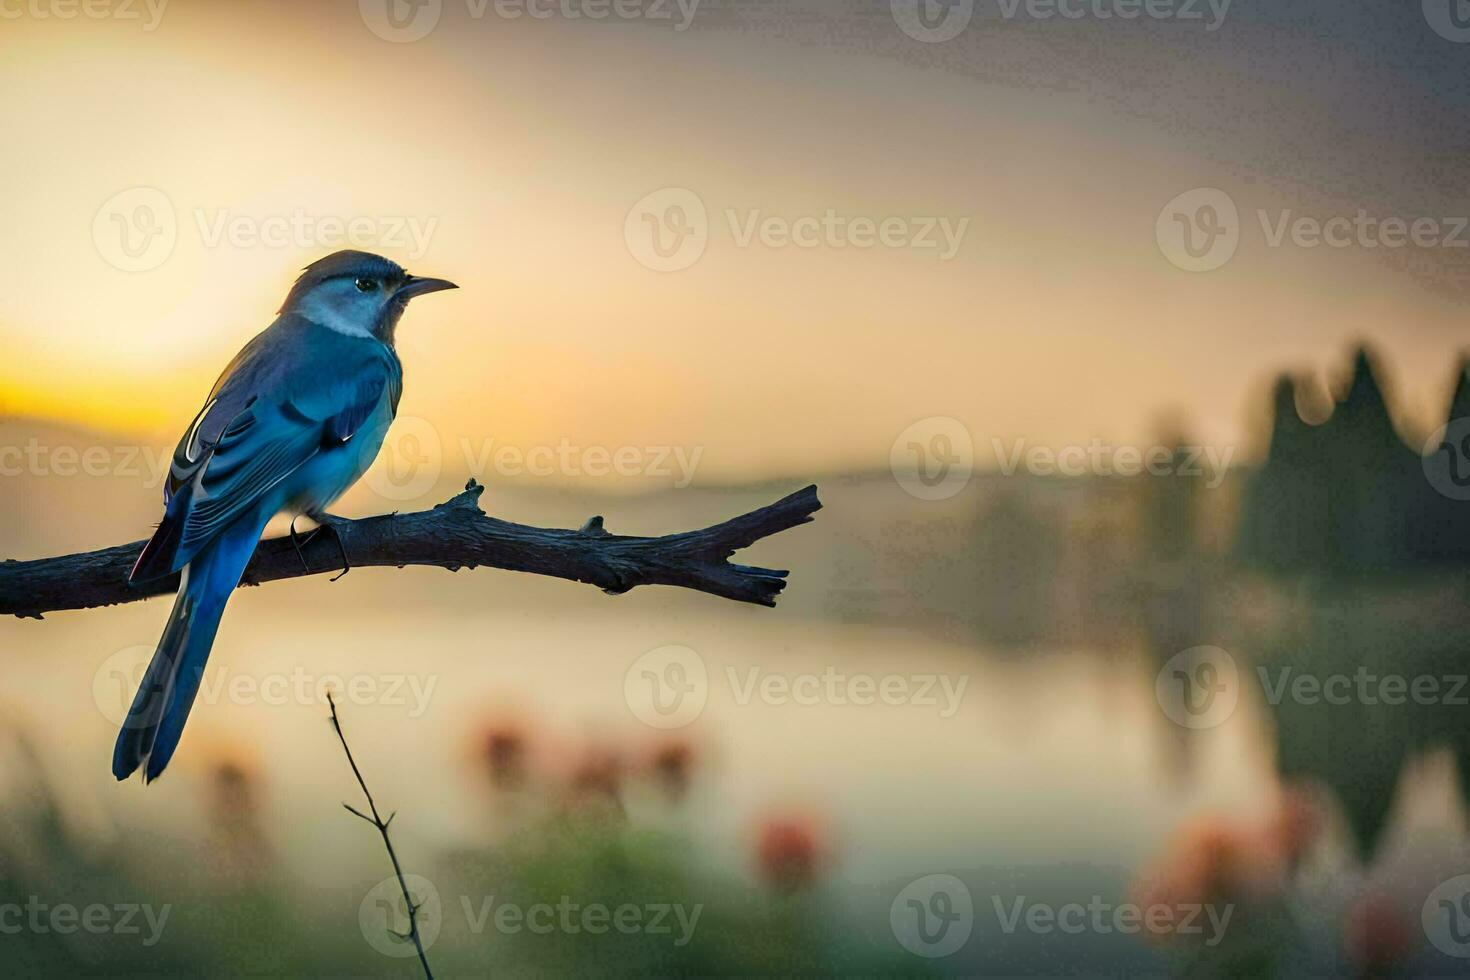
x: 790, y: 852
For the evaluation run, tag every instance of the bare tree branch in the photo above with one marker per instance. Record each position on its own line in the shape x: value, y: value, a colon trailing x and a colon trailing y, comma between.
x: 454, y: 535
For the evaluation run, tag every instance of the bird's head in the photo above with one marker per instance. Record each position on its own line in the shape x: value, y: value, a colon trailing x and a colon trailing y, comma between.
x: 357, y: 293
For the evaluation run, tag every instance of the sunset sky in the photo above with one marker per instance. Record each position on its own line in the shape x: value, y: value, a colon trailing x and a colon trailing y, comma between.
x: 515, y: 149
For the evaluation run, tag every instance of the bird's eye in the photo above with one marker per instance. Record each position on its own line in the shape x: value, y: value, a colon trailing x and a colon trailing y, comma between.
x: 367, y: 285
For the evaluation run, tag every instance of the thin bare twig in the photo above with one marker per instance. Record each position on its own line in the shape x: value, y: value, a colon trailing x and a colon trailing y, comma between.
x: 382, y: 825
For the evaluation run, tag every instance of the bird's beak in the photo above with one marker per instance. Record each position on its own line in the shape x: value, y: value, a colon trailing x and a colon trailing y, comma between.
x: 419, y: 285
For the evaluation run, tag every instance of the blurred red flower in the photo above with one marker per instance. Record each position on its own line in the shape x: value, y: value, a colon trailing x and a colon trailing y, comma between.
x: 789, y: 853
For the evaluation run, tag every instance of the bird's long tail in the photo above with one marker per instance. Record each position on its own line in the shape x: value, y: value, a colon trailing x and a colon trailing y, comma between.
x: 151, y: 731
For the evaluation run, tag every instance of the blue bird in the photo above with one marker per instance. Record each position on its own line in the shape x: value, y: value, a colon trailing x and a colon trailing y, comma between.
x: 294, y: 420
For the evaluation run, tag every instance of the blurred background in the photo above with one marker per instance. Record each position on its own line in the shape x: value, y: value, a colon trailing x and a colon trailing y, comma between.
x: 1124, y: 342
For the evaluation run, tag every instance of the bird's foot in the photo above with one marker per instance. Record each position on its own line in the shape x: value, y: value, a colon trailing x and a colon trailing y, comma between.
x: 331, y: 522
x: 297, y: 541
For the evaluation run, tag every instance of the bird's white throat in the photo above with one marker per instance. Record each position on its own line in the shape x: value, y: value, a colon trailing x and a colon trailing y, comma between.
x: 323, y: 310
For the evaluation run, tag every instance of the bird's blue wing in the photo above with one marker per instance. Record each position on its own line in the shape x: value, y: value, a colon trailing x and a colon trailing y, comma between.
x: 344, y: 424
x: 275, y: 409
